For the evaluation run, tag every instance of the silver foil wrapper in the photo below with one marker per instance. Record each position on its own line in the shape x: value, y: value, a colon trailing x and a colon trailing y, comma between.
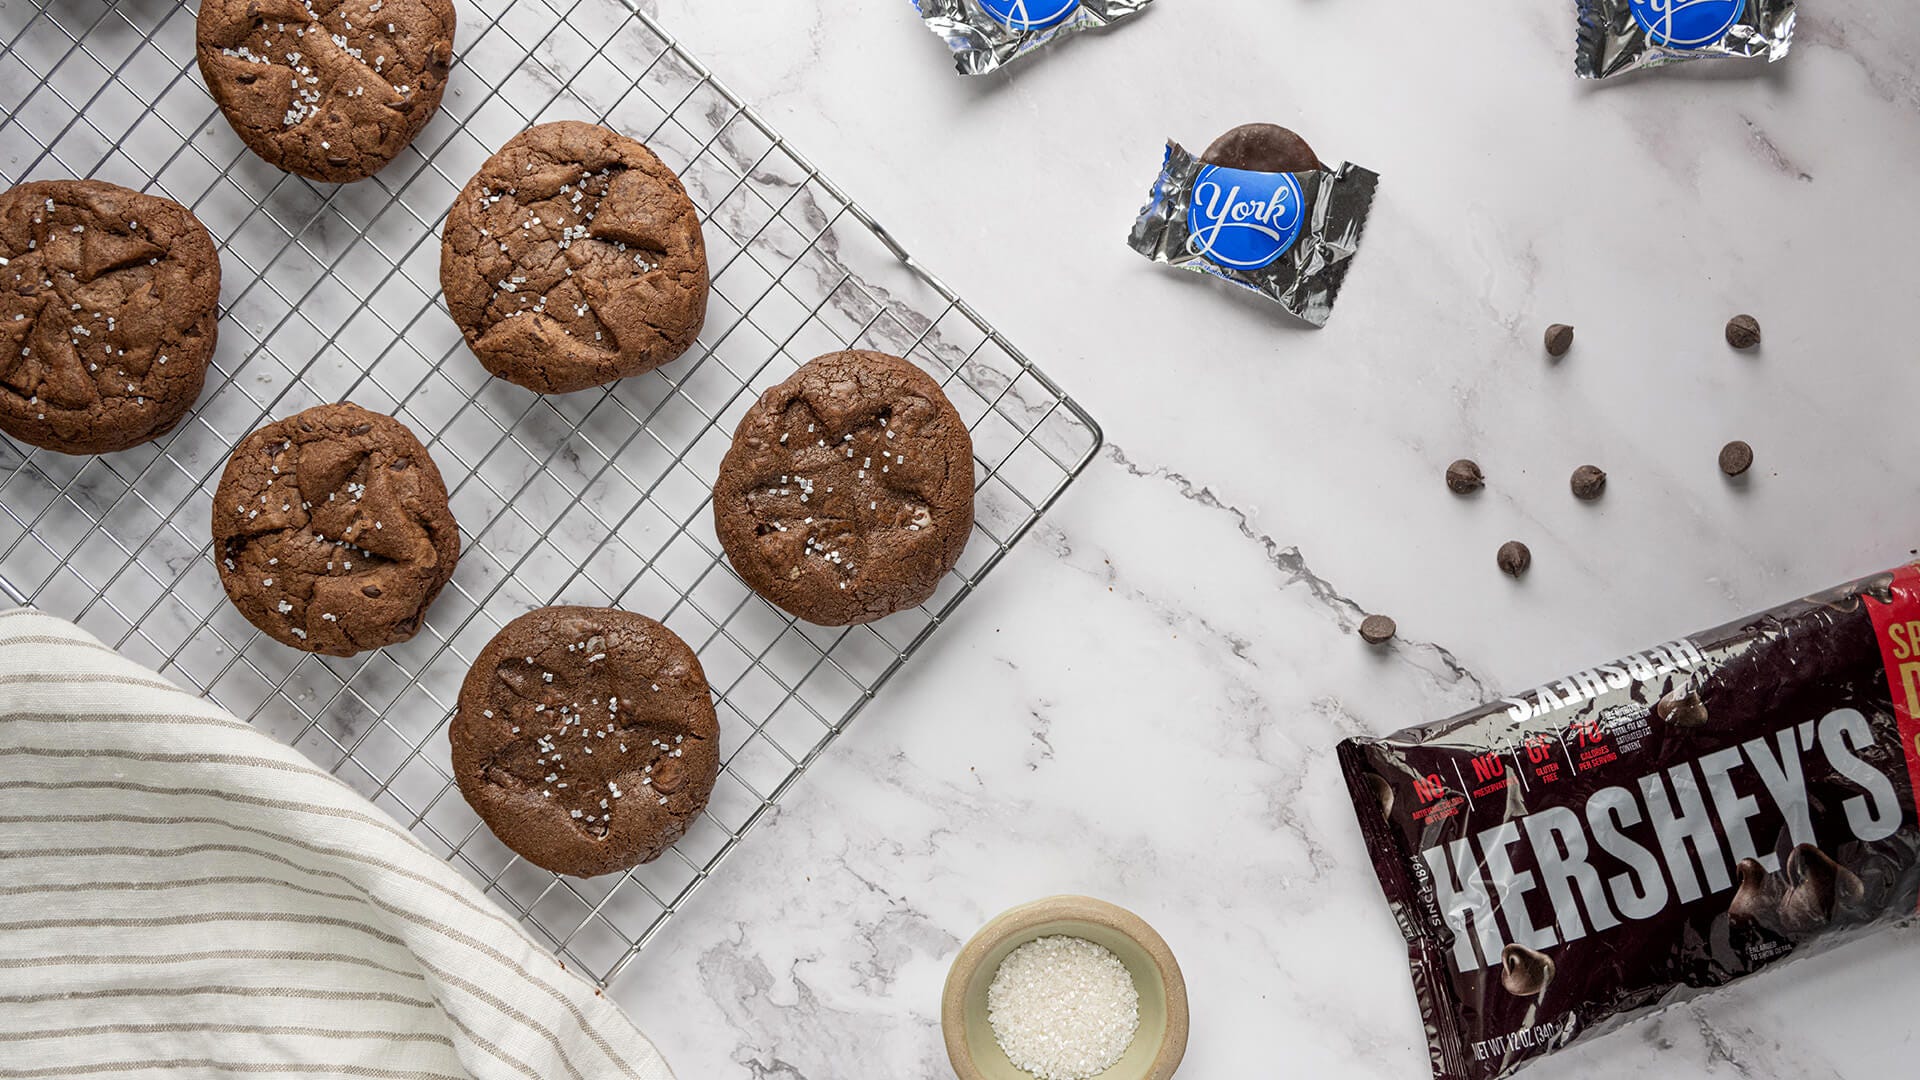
x: 1200, y: 217
x: 986, y: 34
x: 1617, y: 36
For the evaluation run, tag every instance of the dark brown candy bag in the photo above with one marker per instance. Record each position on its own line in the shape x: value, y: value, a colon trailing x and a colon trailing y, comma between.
x: 1571, y: 858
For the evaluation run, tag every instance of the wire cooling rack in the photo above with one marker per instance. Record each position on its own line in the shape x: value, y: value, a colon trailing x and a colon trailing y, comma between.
x: 601, y: 497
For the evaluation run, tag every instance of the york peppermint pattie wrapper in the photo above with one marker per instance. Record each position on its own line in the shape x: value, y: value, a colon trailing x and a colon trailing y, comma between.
x: 1287, y: 236
x: 1569, y: 858
x: 1623, y: 35
x: 985, y: 34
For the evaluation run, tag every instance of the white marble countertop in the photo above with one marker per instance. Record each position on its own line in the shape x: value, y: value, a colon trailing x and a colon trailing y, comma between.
x: 1143, y: 702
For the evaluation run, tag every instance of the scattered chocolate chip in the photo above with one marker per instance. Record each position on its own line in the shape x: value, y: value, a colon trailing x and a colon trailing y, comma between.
x: 1525, y: 972
x: 1377, y: 629
x: 1735, y: 458
x: 1743, y: 331
x: 1588, y: 482
x: 400, y: 464
x: 1559, y: 340
x: 1464, y: 477
x: 371, y: 590
x: 360, y: 429
x: 1514, y: 558
x: 1382, y: 792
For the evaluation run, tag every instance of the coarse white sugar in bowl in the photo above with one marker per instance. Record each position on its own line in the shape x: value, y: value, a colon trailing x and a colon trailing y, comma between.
x: 1063, y: 1008
x: 1065, y: 988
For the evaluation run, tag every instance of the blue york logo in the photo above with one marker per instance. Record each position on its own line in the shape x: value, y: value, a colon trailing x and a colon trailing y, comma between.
x: 1243, y: 220
x: 1687, y: 24
x: 1028, y: 14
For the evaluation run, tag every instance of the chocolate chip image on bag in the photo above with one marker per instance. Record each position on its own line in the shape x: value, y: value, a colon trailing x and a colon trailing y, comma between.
x: 984, y: 35
x: 1567, y: 859
x: 1616, y: 36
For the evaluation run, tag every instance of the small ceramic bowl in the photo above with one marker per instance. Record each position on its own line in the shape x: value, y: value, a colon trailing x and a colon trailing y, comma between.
x: 1157, y: 1046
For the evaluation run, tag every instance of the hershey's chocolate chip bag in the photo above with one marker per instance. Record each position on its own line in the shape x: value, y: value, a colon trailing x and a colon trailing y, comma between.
x: 1570, y: 858
x: 985, y: 34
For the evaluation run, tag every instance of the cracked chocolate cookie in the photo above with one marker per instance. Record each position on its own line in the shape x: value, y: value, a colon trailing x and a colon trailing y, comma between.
x: 330, y: 89
x: 848, y: 491
x: 331, y: 530
x: 108, y: 315
x: 586, y: 739
x: 573, y: 258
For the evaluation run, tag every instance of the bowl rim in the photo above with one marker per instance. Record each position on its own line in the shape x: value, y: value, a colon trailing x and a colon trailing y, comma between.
x: 1067, y: 907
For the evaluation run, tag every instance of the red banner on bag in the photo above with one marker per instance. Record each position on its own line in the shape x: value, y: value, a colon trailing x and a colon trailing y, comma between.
x: 1896, y: 624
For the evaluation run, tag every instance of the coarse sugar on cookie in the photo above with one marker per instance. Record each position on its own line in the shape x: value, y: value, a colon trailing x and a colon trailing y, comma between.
x: 108, y: 315
x: 331, y: 530
x: 330, y: 89
x: 572, y: 258
x: 586, y: 738
x: 847, y: 493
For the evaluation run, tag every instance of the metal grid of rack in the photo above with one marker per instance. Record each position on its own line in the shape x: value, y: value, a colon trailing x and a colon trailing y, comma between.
x: 601, y: 497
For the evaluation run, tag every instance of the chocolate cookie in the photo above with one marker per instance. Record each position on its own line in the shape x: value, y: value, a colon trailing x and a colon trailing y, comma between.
x: 1261, y: 148
x: 585, y: 738
x: 108, y: 315
x: 573, y: 258
x: 848, y: 491
x: 330, y: 89
x: 331, y: 530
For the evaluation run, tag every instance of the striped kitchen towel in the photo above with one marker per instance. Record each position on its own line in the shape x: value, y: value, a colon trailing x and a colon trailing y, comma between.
x: 180, y: 894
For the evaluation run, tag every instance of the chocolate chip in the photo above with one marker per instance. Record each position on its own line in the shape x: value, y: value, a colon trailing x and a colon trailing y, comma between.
x: 1758, y: 898
x: 1743, y: 331
x: 1514, y: 558
x: 1682, y: 708
x: 1588, y: 482
x: 371, y: 590
x: 1817, y: 888
x: 360, y: 429
x: 400, y: 464
x: 1559, y: 339
x: 1377, y: 629
x: 1464, y: 477
x: 1382, y: 792
x: 1525, y: 972
x: 1735, y: 458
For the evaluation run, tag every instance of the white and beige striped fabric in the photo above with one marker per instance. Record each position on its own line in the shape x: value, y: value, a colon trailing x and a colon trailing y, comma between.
x: 181, y: 895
